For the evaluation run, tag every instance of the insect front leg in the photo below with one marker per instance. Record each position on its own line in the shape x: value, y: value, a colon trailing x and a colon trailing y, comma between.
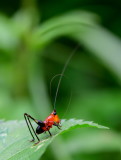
x: 28, y: 122
x: 49, y: 132
x: 57, y: 125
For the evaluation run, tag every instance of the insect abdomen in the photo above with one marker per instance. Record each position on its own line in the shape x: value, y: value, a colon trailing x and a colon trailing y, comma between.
x: 39, y: 130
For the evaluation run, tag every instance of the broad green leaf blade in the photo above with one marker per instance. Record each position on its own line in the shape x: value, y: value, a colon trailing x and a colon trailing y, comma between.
x: 14, y: 139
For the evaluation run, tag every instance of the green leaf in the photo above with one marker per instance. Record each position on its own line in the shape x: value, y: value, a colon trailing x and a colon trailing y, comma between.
x: 14, y: 136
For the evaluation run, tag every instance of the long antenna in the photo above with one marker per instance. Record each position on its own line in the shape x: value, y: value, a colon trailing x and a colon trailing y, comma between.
x: 53, y: 79
x: 62, y: 73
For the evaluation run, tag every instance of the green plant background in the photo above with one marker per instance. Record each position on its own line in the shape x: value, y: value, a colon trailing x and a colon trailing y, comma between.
x: 36, y: 38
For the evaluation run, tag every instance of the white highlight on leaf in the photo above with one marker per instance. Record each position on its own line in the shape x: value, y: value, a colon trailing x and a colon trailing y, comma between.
x: 39, y: 146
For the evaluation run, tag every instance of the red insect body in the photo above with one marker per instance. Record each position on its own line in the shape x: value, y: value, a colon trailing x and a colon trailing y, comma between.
x: 51, y: 120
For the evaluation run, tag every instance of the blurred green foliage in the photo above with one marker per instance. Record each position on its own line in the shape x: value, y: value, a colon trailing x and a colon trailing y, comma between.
x: 36, y: 38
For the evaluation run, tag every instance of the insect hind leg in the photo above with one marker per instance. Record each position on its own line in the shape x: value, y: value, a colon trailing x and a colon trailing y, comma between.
x: 28, y: 122
x: 25, y: 116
